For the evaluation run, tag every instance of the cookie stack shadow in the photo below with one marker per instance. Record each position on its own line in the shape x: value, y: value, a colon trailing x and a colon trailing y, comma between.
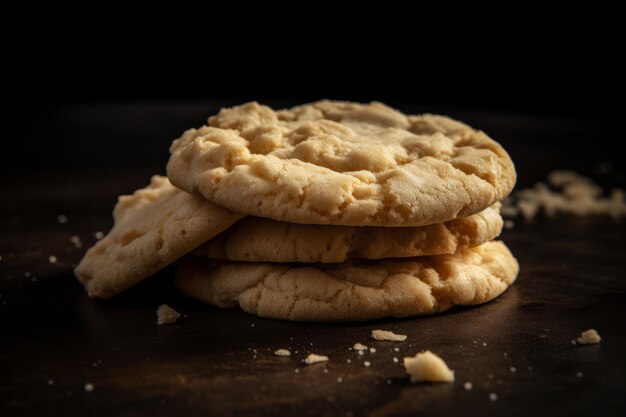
x: 330, y: 211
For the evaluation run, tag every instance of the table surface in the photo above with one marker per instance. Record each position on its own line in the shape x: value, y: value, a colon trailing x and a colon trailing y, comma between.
x: 221, y: 362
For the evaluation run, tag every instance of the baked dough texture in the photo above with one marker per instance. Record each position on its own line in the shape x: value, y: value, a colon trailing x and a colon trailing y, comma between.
x: 352, y: 291
x: 255, y: 239
x: 341, y: 163
x: 152, y: 228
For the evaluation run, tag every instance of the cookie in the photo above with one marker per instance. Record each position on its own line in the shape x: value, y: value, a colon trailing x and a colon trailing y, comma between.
x: 341, y: 163
x: 352, y: 291
x: 152, y: 228
x: 255, y: 239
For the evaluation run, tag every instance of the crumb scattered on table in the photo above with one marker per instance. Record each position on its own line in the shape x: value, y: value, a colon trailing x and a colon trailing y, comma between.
x: 387, y: 335
x: 166, y: 314
x: 589, y: 337
x: 314, y: 358
x: 428, y: 367
x: 282, y: 352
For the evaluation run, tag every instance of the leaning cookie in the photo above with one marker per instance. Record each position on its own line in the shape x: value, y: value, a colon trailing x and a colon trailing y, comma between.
x: 255, y: 239
x: 153, y: 227
x: 341, y: 163
x: 351, y: 292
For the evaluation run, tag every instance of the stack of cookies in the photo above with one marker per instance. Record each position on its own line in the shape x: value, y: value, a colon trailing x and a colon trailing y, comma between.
x: 330, y: 211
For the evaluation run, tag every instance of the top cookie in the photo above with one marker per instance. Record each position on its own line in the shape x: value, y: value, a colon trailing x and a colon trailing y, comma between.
x: 153, y: 227
x: 341, y: 163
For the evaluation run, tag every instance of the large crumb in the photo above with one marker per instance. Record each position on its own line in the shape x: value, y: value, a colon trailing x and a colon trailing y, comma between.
x: 589, y: 337
x: 567, y: 192
x: 387, y: 335
x: 89, y: 387
x: 428, y: 367
x: 359, y: 346
x: 313, y: 358
x: 282, y: 352
x: 166, y: 314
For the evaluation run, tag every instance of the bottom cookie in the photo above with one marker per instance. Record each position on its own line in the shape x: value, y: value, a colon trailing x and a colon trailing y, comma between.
x: 353, y: 290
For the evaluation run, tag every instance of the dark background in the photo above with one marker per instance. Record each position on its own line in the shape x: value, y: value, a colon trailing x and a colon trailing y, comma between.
x: 99, y: 93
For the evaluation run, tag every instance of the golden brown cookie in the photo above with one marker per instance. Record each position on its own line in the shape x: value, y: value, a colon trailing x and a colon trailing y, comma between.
x: 341, y: 163
x: 352, y: 291
x: 153, y: 227
x: 255, y: 239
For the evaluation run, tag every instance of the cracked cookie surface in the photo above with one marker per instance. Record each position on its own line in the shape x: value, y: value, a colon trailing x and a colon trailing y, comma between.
x: 341, y: 163
x: 353, y: 291
x: 255, y: 239
x: 152, y: 228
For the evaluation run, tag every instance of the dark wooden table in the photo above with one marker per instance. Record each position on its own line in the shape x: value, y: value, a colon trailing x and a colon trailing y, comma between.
x: 55, y: 340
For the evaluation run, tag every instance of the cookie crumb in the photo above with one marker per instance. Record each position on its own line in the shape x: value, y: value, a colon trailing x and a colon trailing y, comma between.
x: 53, y: 259
x: 513, y: 369
x: 282, y: 352
x: 493, y: 396
x: 387, y: 335
x: 359, y: 347
x: 98, y: 235
x: 349, y: 360
x: 571, y: 193
x: 339, y: 379
x: 468, y: 386
x: 76, y: 241
x: 51, y: 382
x: 372, y: 350
x: 297, y: 371
x: 325, y: 370
x: 396, y: 349
x: 367, y: 363
x: 62, y: 218
x: 509, y: 224
x: 589, y: 337
x: 396, y: 360
x: 166, y: 314
x: 251, y: 324
x: 579, y: 374
x: 89, y: 387
x: 314, y: 358
x: 427, y: 366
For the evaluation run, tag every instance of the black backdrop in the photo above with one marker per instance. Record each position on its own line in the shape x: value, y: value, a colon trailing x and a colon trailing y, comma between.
x: 91, y: 96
